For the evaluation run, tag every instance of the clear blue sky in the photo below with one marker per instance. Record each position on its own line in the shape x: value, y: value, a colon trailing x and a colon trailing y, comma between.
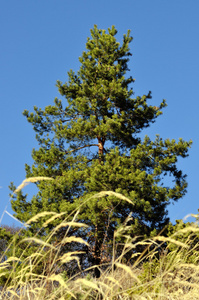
x: 42, y: 40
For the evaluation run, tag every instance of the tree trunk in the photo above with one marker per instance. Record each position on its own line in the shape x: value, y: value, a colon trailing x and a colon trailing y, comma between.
x: 101, y: 142
x: 99, y: 229
x: 98, y: 250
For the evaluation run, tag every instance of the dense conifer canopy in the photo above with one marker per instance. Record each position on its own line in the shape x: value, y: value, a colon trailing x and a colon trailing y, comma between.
x: 89, y: 142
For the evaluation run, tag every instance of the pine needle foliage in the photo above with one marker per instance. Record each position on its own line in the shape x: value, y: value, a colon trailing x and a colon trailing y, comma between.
x: 89, y: 142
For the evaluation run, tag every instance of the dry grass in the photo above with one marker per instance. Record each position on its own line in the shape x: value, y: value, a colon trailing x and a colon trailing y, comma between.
x: 170, y: 276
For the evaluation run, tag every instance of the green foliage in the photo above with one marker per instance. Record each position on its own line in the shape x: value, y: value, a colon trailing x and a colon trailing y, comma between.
x: 89, y: 142
x: 186, y: 233
x: 172, y: 260
x: 8, y: 236
x: 5, y: 236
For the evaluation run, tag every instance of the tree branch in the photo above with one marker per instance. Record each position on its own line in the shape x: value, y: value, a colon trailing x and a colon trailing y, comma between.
x: 81, y: 148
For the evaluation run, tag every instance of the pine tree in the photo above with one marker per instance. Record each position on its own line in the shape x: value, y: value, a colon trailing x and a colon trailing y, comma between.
x: 89, y: 142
